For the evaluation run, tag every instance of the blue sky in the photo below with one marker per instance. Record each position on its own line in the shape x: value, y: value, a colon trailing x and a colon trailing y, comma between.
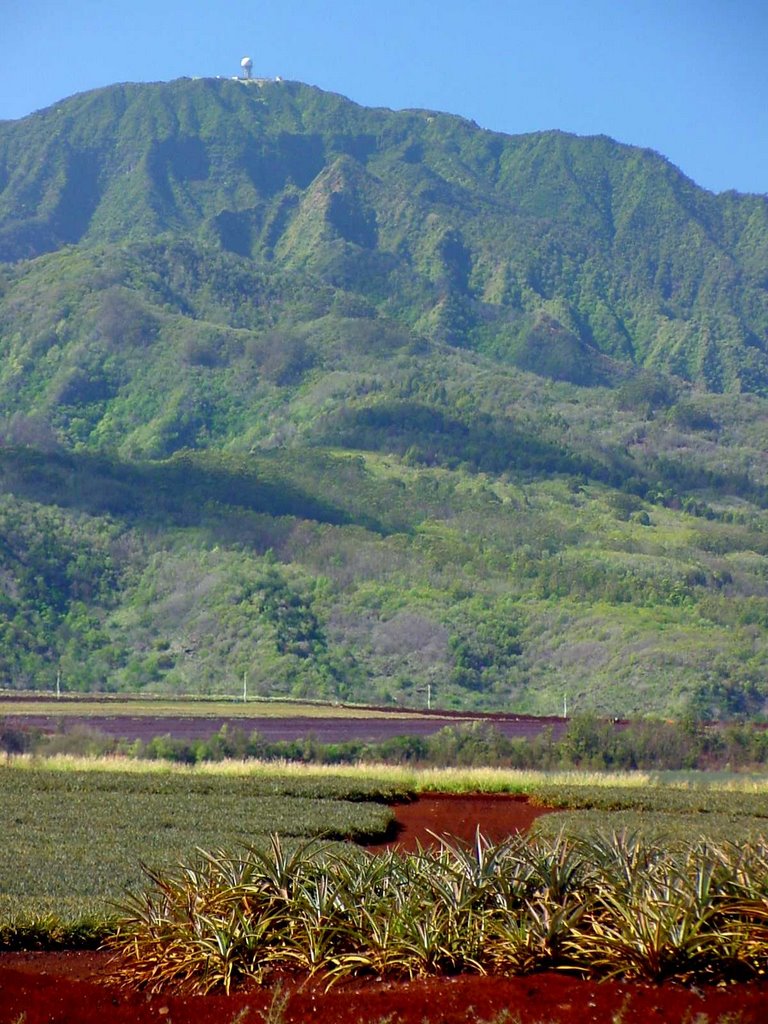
x: 689, y: 79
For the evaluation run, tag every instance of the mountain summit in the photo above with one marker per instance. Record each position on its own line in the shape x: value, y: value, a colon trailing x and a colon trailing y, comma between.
x: 545, y: 250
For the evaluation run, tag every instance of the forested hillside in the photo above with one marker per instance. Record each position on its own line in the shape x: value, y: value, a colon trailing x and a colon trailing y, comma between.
x: 360, y: 401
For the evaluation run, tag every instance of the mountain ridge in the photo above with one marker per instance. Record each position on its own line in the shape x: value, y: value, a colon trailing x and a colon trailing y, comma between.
x: 506, y: 225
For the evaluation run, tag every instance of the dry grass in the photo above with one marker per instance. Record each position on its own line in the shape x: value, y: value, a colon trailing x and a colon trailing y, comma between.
x: 427, y: 780
x: 70, y: 707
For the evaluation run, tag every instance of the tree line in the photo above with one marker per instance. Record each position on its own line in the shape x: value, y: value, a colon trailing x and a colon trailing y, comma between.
x: 587, y: 743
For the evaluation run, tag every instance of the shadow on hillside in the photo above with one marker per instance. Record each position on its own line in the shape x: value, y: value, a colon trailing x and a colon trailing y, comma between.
x: 183, y: 491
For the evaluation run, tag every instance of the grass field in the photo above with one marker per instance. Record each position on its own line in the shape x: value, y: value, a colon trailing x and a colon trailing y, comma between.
x: 70, y: 707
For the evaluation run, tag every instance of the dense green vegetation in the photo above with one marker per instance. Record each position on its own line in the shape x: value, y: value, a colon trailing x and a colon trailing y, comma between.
x: 362, y: 402
x: 498, y: 591
x: 545, y: 249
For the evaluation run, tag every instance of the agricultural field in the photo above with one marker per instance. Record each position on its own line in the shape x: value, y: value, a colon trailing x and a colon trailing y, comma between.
x: 74, y: 838
x: 603, y: 906
x: 106, y: 706
x: 274, y: 720
x: 77, y: 832
x: 661, y: 814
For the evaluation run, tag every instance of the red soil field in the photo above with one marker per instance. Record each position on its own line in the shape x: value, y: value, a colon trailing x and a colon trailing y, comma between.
x: 39, y: 988
x: 70, y: 988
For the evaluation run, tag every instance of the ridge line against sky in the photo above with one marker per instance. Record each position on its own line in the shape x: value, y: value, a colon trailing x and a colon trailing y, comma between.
x: 687, y: 78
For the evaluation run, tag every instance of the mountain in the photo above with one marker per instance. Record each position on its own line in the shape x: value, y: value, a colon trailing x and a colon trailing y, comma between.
x: 362, y: 400
x: 508, y: 245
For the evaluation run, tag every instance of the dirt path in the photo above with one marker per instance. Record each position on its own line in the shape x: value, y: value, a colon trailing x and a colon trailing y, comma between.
x: 460, y: 816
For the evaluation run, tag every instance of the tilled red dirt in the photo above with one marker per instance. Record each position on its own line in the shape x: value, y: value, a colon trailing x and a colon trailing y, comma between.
x: 70, y: 988
x: 40, y: 988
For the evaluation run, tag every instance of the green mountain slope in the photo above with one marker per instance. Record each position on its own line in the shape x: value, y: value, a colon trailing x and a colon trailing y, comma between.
x: 361, y: 401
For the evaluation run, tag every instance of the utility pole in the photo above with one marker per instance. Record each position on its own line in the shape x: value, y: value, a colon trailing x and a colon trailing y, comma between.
x: 58, y: 684
x: 429, y: 696
x: 565, y: 705
x: 245, y: 687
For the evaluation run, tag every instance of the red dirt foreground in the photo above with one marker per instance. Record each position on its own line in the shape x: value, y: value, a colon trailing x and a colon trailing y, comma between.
x: 70, y: 988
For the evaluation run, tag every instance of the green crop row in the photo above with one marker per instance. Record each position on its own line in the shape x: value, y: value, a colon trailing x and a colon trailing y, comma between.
x: 72, y: 841
x: 607, y: 906
x: 119, y: 778
x: 659, y: 799
x: 654, y: 826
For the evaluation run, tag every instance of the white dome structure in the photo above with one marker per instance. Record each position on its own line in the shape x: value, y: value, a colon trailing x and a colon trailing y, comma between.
x: 247, y: 65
